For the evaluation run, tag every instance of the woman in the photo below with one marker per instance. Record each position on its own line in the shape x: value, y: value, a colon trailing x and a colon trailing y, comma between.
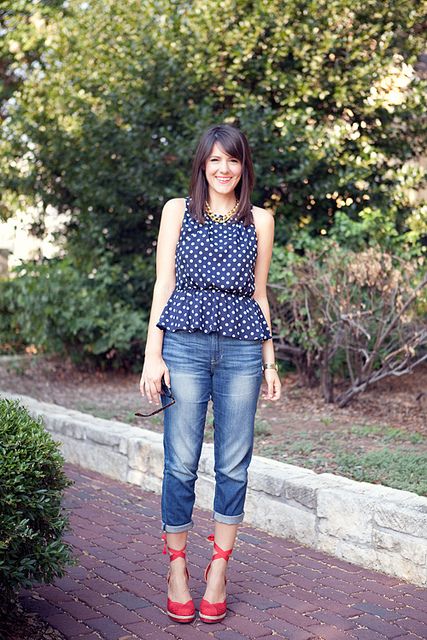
x: 209, y: 337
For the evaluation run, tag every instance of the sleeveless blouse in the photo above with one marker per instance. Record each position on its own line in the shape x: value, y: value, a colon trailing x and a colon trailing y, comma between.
x: 215, y: 281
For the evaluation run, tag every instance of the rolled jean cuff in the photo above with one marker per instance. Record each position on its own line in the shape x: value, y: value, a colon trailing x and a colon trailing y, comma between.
x: 219, y: 517
x: 170, y: 528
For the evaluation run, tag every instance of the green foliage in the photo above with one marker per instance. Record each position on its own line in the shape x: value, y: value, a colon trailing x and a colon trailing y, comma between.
x: 11, y: 339
x: 325, y: 91
x: 92, y: 316
x: 400, y: 469
x: 23, y: 24
x: 114, y: 96
x: 31, y: 487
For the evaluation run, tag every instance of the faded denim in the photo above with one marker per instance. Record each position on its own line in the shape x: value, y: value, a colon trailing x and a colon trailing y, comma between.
x: 228, y: 371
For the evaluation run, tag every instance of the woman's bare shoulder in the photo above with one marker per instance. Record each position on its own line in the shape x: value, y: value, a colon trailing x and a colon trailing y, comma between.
x: 263, y: 218
x: 175, y: 205
x: 259, y: 211
x: 173, y: 211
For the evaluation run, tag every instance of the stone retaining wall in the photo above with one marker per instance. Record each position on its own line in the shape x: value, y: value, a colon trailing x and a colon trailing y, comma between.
x: 373, y: 526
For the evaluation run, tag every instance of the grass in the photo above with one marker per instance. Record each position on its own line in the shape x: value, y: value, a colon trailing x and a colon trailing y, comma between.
x: 400, y: 468
x: 304, y: 447
x: 327, y: 421
x: 386, y: 433
x: 106, y: 414
x: 362, y: 452
x: 130, y: 417
x: 261, y: 428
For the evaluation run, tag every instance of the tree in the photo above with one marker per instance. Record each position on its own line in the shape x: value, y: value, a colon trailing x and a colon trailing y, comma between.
x: 103, y: 128
x: 325, y: 91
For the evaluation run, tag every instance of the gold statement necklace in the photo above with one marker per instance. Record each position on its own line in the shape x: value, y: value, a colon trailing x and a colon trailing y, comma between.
x: 216, y: 217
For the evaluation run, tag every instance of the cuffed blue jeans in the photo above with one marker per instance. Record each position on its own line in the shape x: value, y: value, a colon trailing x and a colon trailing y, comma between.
x: 228, y: 371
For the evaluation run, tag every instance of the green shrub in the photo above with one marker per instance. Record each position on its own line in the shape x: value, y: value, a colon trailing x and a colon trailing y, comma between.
x: 11, y: 339
x: 31, y: 518
x: 97, y: 316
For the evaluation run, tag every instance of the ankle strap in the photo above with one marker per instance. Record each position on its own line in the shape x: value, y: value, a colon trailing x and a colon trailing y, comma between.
x: 219, y: 553
x: 173, y: 553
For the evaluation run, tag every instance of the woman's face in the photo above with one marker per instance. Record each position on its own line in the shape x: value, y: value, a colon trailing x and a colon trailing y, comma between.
x: 222, y: 171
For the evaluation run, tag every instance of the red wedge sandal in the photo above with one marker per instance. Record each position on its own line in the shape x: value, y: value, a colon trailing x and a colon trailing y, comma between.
x: 214, y: 611
x: 178, y: 611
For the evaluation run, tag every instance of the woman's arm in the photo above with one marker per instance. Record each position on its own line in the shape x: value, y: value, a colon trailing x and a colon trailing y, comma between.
x: 264, y: 224
x: 154, y: 365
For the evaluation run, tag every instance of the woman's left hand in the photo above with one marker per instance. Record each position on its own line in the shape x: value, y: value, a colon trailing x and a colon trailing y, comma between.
x: 273, y: 385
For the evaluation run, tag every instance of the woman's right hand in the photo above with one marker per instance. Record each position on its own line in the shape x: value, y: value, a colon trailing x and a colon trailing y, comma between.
x: 153, y: 371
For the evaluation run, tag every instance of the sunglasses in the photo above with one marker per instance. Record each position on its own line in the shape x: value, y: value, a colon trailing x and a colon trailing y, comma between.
x: 164, y: 392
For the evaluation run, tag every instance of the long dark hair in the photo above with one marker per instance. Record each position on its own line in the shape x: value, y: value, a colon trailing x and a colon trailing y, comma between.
x: 235, y: 144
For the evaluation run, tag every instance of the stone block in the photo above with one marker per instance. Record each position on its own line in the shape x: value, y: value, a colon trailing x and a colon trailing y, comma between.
x: 139, y: 453
x: 103, y: 436
x: 279, y: 518
x: 151, y: 438
x: 93, y: 456
x: 205, y: 487
x: 206, y: 462
x: 303, y: 491
x: 345, y: 514
x: 156, y: 462
x: 269, y: 482
x: 275, y: 478
x: 153, y: 484
x: 145, y: 455
x: 61, y: 423
x: 334, y: 480
x: 410, y: 548
x: 411, y: 521
x: 144, y: 480
x: 396, y: 565
x: 134, y: 476
x: 363, y: 556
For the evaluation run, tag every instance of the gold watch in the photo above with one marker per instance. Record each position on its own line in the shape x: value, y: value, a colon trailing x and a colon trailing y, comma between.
x: 269, y: 365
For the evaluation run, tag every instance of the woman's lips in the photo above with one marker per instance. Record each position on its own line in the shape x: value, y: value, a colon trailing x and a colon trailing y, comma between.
x: 223, y: 180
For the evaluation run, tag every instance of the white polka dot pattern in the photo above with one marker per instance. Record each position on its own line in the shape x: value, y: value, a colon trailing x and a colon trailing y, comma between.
x: 215, y: 281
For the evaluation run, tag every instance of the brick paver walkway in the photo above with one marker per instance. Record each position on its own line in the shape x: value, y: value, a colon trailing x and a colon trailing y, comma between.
x: 277, y: 588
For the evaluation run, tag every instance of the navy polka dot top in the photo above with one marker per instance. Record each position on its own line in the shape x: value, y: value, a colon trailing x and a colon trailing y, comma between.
x: 215, y: 281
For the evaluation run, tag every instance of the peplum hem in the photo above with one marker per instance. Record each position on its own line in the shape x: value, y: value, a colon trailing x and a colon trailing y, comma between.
x: 210, y: 310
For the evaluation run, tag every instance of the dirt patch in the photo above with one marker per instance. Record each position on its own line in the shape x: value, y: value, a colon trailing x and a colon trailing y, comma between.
x: 300, y: 428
